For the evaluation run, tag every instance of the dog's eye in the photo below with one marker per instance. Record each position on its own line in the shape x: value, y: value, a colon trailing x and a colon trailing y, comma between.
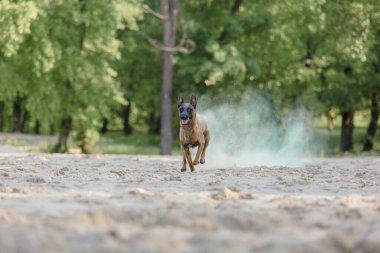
x: 181, y: 109
x: 188, y: 110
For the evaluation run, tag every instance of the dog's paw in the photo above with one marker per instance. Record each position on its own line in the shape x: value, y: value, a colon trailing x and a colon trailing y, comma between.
x: 183, y: 169
x: 202, y: 161
x: 195, y: 162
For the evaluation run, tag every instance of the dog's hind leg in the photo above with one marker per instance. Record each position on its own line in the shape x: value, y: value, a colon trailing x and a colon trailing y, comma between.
x: 207, y: 140
x: 183, y: 160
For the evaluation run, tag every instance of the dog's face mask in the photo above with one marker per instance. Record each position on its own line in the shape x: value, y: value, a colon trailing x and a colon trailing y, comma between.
x: 186, y: 111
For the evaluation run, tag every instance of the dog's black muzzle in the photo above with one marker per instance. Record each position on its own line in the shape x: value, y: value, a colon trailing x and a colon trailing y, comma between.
x: 185, y: 118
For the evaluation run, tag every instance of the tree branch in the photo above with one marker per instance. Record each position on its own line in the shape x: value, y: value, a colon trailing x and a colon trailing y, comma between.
x: 186, y: 46
x: 149, y: 10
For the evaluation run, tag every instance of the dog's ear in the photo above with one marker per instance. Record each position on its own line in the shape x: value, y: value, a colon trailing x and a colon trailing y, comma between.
x: 193, y: 101
x: 180, y: 101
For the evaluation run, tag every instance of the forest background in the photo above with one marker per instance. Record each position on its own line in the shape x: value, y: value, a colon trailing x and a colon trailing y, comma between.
x: 104, y: 76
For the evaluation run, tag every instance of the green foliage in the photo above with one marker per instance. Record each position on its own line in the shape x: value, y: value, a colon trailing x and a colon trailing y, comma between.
x: 86, y: 59
x: 58, y: 56
x: 15, y: 22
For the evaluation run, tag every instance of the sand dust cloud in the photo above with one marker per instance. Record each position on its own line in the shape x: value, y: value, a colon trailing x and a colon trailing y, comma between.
x: 251, y: 132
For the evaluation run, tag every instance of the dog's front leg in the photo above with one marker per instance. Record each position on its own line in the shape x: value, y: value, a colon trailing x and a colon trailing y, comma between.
x: 199, y: 152
x: 188, y: 157
x: 183, y: 169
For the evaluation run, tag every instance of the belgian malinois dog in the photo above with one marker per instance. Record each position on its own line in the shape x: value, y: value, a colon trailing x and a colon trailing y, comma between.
x: 193, y: 133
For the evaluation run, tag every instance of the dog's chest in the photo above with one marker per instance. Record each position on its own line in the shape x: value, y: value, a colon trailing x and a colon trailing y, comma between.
x: 189, y: 138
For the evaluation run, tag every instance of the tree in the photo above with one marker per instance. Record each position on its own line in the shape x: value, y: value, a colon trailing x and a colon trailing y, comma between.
x: 137, y: 77
x: 65, y: 59
x: 168, y: 47
x: 371, y: 76
x: 169, y: 9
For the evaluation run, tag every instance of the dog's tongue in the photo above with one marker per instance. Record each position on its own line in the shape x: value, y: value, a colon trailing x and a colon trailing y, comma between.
x: 184, y: 121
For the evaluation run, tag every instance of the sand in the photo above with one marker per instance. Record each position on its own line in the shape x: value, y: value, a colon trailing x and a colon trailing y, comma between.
x: 109, y: 203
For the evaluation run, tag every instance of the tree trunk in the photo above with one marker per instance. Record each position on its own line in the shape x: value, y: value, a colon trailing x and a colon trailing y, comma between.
x: 37, y: 127
x: 24, y: 120
x: 127, y: 128
x: 169, y: 9
x: 64, y: 135
x: 65, y: 129
x: 330, y: 122
x: 104, y: 128
x: 1, y: 116
x: 346, y: 137
x: 372, y: 127
x: 16, y: 126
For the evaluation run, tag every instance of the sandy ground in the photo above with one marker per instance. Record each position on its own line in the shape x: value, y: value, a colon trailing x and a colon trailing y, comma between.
x: 74, y: 203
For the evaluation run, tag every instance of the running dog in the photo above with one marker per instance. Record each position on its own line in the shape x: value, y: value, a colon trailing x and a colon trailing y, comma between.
x: 192, y: 133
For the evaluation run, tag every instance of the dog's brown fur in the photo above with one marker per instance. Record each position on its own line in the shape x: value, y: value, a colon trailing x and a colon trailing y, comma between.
x: 194, y: 133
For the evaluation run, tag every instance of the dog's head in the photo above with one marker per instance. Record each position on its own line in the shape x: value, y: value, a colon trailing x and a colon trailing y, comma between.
x: 187, y: 113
